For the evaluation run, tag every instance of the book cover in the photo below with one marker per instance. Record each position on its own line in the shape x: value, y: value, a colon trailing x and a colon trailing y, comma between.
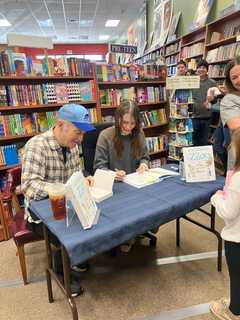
x: 103, y: 184
x: 19, y: 63
x: 85, y: 91
x: 37, y: 67
x: 61, y: 93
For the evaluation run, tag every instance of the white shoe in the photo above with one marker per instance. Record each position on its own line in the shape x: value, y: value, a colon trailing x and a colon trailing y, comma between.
x: 220, y: 309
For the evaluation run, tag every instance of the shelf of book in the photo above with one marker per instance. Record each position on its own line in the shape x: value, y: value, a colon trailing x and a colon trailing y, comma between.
x: 130, y: 83
x: 219, y: 61
x: 44, y: 78
x: 221, y: 42
x: 17, y: 137
x: 42, y: 107
x: 140, y: 105
x: 156, y: 126
x: 193, y: 42
x: 157, y: 152
x: 172, y: 53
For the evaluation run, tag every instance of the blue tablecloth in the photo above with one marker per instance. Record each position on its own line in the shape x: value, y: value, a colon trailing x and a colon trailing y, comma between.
x: 128, y: 213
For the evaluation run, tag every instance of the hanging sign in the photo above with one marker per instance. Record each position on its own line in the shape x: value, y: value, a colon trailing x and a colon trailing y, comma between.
x: 123, y: 48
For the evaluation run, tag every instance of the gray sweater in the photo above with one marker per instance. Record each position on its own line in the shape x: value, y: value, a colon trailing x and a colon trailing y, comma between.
x: 200, y: 96
x: 106, y: 158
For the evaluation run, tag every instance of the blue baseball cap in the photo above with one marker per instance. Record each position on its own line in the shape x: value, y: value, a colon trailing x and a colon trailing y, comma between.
x: 77, y: 115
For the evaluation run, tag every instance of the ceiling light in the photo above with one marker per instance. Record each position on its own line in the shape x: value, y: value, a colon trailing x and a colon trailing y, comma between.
x: 4, y: 23
x: 45, y: 23
x: 86, y: 23
x: 104, y: 37
x: 112, y: 23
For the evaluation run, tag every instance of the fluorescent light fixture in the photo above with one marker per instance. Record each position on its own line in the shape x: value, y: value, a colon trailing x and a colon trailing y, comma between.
x: 112, y: 23
x: 104, y: 37
x: 4, y: 23
x: 86, y: 23
x: 45, y: 23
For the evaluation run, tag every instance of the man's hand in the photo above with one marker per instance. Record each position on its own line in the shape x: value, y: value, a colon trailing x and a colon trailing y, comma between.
x: 90, y: 181
x: 142, y: 168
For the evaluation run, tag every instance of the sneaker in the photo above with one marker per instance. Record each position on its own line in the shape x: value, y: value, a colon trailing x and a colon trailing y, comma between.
x: 220, y: 309
x: 127, y: 246
x: 83, y: 267
x: 76, y: 289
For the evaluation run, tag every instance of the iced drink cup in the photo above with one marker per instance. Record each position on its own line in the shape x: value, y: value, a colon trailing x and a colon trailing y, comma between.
x: 58, y: 201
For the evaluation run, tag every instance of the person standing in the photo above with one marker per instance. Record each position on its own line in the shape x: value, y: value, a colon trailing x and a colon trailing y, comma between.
x: 201, y: 112
x: 227, y: 204
x: 230, y: 104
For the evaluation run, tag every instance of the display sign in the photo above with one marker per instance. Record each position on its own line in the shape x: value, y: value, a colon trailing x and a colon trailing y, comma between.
x: 22, y: 40
x: 183, y: 82
x: 123, y: 48
x: 199, y: 164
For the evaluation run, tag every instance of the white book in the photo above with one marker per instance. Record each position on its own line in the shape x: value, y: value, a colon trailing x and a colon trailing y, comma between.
x: 77, y: 191
x: 103, y: 184
x: 139, y: 180
x: 163, y: 172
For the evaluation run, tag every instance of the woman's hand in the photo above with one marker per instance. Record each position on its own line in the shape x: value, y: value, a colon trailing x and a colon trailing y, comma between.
x: 120, y: 174
x: 142, y: 168
x: 90, y: 181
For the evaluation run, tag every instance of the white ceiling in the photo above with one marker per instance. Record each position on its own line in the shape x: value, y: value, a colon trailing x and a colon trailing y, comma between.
x: 59, y: 19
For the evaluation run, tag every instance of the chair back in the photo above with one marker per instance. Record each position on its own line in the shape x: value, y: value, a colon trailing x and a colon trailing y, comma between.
x: 89, y: 146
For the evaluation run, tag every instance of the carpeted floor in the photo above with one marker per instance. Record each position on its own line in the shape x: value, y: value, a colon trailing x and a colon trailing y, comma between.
x: 130, y: 286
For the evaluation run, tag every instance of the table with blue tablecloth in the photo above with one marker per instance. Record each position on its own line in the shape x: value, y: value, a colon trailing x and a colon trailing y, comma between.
x: 130, y: 212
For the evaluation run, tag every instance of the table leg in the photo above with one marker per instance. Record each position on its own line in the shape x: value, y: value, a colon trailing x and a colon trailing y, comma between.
x: 210, y: 229
x: 66, y: 273
x: 178, y: 232
x: 49, y: 263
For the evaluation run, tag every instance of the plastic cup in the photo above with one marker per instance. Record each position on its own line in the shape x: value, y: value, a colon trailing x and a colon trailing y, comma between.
x: 57, y: 198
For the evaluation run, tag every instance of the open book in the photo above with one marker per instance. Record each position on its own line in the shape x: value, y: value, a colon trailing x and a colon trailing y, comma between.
x: 139, y: 180
x: 163, y: 172
x: 103, y: 184
x: 77, y: 191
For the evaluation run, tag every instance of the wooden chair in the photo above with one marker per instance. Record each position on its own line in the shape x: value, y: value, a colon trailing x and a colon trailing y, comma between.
x: 20, y: 232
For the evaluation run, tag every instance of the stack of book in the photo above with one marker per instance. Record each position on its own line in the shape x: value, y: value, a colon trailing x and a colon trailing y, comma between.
x: 226, y: 52
x: 18, y: 64
x: 133, y: 72
x: 194, y: 50
x: 153, y: 118
x: 47, y: 93
x: 180, y: 124
x: 217, y: 70
x: 28, y: 123
x: 157, y: 144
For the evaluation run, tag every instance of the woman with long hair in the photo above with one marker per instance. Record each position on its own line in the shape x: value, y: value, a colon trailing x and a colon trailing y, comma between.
x: 230, y: 104
x: 122, y: 147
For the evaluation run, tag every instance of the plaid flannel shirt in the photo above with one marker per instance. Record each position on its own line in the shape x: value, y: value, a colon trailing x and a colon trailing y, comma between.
x: 43, y: 164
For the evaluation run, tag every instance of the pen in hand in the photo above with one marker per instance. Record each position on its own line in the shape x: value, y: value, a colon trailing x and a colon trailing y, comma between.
x: 120, y: 174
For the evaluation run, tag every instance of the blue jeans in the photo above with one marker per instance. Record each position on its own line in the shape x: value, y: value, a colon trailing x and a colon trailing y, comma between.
x: 221, y: 141
x: 200, y: 132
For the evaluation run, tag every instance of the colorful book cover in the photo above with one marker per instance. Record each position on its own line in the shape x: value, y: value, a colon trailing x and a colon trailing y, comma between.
x: 85, y: 91
x: 37, y: 67
x: 20, y: 63
x: 61, y: 93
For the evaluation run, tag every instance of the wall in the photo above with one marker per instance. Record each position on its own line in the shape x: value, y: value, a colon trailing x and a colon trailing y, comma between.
x: 188, y: 8
x: 76, y: 49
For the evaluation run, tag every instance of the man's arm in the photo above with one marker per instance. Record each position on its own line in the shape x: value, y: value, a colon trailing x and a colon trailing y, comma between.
x: 33, y: 174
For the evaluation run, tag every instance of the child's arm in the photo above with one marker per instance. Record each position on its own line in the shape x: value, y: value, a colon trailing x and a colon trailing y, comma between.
x: 228, y: 207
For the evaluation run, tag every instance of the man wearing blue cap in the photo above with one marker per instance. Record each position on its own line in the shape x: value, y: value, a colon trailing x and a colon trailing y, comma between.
x: 52, y: 157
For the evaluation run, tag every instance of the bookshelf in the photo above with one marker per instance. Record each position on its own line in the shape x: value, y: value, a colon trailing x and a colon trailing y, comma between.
x: 172, y: 56
x: 192, y: 47
x: 28, y: 105
x: 221, y: 44
x: 145, y: 86
x: 180, y: 123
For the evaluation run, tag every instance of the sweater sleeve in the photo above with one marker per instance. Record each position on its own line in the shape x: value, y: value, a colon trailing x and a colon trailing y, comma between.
x: 101, y: 160
x: 228, y: 207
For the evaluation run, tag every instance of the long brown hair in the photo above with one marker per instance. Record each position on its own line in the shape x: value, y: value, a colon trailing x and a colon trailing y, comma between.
x: 127, y: 106
x: 236, y: 145
x: 228, y: 82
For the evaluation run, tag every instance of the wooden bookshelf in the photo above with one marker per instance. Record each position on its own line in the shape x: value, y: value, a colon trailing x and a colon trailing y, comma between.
x: 130, y: 83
